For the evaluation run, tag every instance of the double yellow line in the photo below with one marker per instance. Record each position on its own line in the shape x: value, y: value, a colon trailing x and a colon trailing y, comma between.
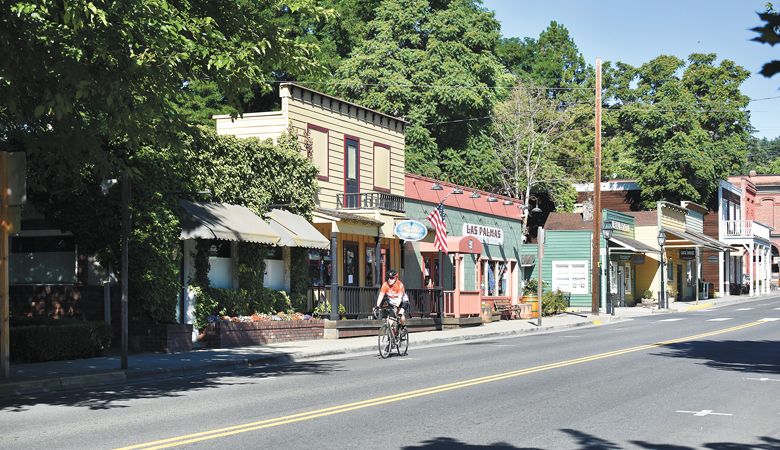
x: 293, y: 418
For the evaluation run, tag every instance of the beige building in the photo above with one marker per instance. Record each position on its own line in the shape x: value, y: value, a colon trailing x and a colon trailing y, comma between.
x: 360, y: 157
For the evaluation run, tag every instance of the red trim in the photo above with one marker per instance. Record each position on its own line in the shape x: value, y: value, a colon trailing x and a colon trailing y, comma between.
x: 357, y: 160
x: 386, y: 190
x: 310, y: 126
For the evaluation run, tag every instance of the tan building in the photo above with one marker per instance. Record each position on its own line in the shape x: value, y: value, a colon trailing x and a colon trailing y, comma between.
x: 360, y: 157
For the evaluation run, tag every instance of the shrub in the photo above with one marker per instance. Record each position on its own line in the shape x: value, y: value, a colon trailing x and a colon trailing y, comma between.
x: 323, y: 309
x: 647, y: 294
x: 55, y: 340
x: 553, y: 302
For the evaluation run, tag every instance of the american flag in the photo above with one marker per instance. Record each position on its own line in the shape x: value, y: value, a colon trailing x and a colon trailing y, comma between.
x: 437, y: 217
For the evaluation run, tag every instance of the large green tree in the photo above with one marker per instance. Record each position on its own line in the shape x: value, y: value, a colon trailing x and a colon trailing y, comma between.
x: 83, y: 77
x: 769, y: 33
x: 680, y: 127
x: 433, y: 63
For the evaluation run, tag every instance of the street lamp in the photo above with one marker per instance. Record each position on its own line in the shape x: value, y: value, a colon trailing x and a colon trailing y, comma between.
x: 606, y: 231
x: 661, y: 296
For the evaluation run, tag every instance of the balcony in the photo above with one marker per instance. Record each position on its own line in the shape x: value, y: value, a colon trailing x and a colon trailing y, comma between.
x: 370, y: 200
x: 744, y: 229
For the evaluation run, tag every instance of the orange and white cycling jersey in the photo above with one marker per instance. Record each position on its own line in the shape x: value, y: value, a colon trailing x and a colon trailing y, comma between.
x: 395, y: 293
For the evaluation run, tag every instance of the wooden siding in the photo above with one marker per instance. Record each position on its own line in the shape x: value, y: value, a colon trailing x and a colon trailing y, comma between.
x: 623, y: 201
x: 263, y: 125
x: 648, y: 274
x: 363, y: 242
x: 710, y: 270
x: 339, y: 124
x: 694, y: 221
x: 672, y: 218
x: 568, y: 246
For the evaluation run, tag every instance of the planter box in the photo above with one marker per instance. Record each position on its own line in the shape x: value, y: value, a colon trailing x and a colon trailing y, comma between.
x: 525, y: 310
x: 240, y: 334
x: 168, y: 338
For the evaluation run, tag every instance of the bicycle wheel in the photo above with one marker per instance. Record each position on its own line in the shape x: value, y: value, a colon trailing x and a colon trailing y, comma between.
x: 403, y: 341
x: 385, y: 341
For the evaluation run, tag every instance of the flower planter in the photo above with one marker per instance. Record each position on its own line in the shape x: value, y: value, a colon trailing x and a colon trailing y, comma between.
x: 239, y: 334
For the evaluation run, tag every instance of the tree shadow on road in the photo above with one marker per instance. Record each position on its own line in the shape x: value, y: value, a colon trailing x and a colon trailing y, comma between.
x: 761, y: 357
x: 445, y: 443
x: 765, y: 443
x: 112, y: 396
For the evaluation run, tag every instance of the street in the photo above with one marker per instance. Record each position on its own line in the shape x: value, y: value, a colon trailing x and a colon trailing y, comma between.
x: 703, y: 379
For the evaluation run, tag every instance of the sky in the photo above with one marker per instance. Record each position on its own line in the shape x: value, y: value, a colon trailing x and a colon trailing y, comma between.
x: 635, y: 32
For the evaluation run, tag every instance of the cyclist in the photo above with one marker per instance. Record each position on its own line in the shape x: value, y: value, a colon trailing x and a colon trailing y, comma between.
x: 396, y: 294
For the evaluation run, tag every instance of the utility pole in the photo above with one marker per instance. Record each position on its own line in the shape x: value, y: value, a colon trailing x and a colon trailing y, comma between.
x: 595, y: 276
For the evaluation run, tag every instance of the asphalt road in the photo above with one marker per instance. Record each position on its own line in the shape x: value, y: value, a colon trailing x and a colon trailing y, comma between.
x: 705, y: 379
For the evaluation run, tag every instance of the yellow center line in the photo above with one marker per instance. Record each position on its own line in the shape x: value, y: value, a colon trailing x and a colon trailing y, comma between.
x: 299, y: 417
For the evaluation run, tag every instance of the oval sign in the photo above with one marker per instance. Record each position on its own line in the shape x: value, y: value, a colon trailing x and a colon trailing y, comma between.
x: 410, y: 230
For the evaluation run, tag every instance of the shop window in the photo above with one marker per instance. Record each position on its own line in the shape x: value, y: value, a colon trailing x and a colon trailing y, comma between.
x: 670, y: 270
x: 495, y: 278
x: 220, y: 264
x: 430, y: 271
x: 369, y: 266
x: 350, y: 264
x: 319, y: 267
x: 42, y: 260
x: 572, y: 276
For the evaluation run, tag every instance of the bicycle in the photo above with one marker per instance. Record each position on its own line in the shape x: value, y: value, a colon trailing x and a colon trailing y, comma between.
x: 391, y: 334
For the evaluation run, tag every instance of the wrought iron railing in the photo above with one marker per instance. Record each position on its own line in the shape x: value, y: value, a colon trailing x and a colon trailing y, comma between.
x: 370, y: 200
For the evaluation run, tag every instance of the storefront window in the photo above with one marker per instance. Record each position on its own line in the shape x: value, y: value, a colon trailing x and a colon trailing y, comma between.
x: 495, y: 278
x: 369, y: 266
x: 319, y: 267
x: 627, y: 285
x: 350, y: 263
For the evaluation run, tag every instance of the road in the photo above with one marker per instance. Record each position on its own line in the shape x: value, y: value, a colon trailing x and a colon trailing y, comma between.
x: 704, y: 379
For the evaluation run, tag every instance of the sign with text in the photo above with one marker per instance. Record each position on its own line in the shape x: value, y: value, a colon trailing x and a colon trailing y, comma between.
x: 410, y: 230
x: 687, y: 253
x: 621, y: 226
x: 486, y: 235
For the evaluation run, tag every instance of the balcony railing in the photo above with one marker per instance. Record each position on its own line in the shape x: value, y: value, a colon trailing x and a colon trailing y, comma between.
x: 745, y: 229
x: 370, y: 200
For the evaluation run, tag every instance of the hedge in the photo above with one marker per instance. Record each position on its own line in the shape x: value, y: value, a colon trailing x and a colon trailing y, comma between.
x: 59, y: 340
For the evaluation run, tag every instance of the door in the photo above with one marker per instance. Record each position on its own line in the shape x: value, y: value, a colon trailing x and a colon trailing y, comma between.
x: 351, y: 173
x: 351, y: 261
x: 621, y: 294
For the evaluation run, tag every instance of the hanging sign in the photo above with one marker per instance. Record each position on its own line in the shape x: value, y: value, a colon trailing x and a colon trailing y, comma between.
x: 687, y: 253
x: 410, y: 230
x: 486, y: 235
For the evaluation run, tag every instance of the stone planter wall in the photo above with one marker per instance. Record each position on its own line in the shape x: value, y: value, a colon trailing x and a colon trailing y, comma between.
x: 233, y: 334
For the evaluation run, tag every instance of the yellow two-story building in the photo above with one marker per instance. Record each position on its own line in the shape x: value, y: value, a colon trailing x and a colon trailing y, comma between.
x: 359, y: 154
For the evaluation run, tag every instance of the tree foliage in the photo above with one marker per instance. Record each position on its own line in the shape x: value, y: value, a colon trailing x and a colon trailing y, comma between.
x: 90, y: 73
x: 769, y: 33
x: 528, y: 127
x: 430, y: 62
x: 679, y: 133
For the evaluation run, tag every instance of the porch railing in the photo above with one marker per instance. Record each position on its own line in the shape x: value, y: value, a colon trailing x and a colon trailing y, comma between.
x: 359, y: 301
x: 424, y: 302
x: 466, y: 303
x: 370, y: 200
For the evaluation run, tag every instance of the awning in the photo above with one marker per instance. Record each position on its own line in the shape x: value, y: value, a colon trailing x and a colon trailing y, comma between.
x: 696, y: 240
x: 206, y: 220
x: 296, y: 231
x: 633, y: 245
x: 455, y: 244
x: 723, y: 247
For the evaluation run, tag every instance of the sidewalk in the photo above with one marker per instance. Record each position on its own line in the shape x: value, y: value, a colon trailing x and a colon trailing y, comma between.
x: 59, y: 375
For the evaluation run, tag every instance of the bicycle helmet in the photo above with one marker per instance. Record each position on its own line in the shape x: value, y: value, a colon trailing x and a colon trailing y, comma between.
x: 392, y: 273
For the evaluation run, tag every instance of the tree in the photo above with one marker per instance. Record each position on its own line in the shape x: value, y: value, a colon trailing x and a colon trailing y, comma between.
x: 528, y: 129
x: 431, y: 62
x: 769, y: 33
x: 97, y: 79
x: 681, y: 133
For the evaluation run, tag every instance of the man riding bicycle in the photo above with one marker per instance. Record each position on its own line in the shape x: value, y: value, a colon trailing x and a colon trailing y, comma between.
x: 394, y: 289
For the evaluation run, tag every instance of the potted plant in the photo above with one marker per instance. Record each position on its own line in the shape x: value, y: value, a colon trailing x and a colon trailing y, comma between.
x: 647, y: 297
x: 671, y: 292
x: 530, y: 290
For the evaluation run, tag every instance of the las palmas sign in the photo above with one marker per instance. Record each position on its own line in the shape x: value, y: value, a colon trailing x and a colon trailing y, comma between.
x: 410, y: 230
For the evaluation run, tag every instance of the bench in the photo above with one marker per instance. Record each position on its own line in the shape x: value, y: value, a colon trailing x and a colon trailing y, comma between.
x: 506, y: 308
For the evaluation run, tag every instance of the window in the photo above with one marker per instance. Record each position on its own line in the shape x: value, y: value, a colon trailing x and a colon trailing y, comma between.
x: 627, y: 285
x: 42, y: 260
x: 369, y: 266
x: 381, y: 167
x: 319, y: 150
x: 495, y: 278
x: 570, y: 276
x: 319, y: 267
x: 670, y: 270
